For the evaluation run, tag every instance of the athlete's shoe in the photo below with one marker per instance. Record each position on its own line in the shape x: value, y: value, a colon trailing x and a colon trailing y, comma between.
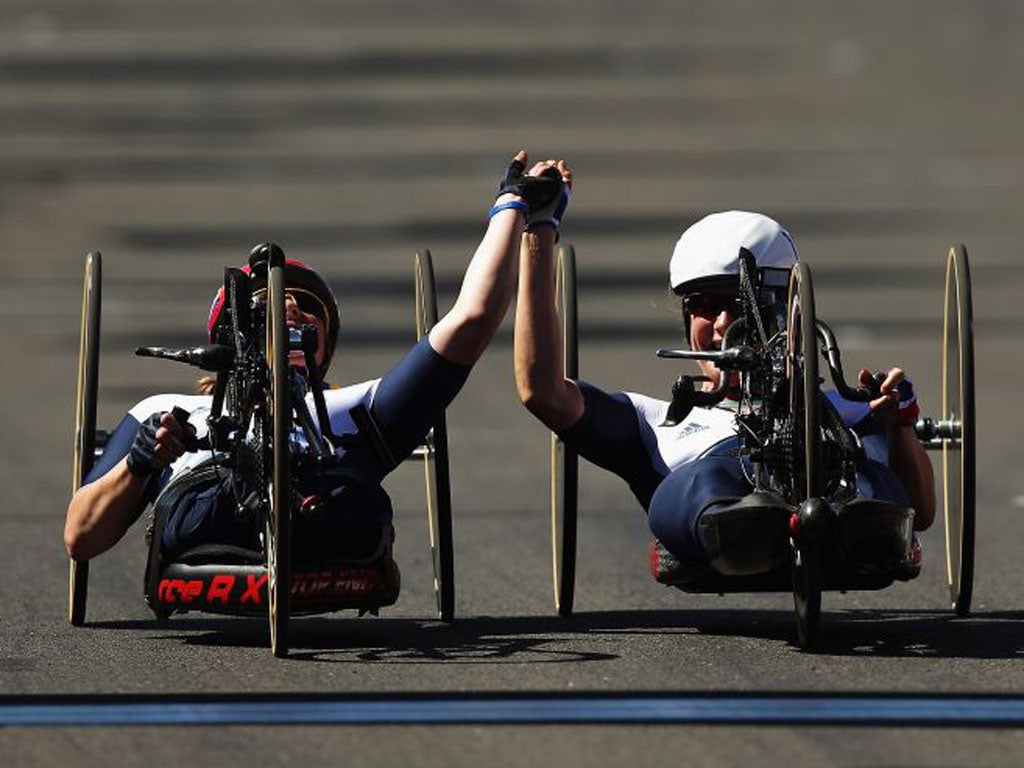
x: 668, y: 569
x: 663, y: 564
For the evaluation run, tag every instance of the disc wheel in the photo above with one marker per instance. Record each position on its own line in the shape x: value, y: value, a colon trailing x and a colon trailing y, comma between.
x: 435, y: 457
x: 85, y: 416
x: 278, y: 525
x: 802, y: 373
x: 958, y: 459
x: 564, y: 463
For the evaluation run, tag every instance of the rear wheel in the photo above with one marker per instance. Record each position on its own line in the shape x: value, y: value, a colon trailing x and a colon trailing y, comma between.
x: 85, y: 416
x: 435, y: 455
x: 958, y: 461
x: 278, y: 526
x: 564, y: 463
x: 802, y: 373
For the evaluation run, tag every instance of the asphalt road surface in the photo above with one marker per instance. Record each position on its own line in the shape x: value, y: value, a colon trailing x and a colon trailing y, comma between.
x: 173, y: 137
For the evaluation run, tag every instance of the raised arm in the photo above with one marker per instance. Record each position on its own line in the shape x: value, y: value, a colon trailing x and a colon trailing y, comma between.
x: 463, y: 334
x: 540, y: 377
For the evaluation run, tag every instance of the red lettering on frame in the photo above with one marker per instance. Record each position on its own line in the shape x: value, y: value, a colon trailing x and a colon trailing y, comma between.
x: 170, y: 589
x: 220, y: 588
x: 190, y: 590
x: 252, y: 590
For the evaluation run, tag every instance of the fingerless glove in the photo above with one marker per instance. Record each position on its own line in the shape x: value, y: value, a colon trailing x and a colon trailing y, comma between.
x: 543, y: 194
x: 550, y: 215
x: 143, y: 451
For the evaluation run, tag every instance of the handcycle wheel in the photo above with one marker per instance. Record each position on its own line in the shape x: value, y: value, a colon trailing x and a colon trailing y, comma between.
x: 435, y: 457
x: 278, y: 524
x: 85, y: 416
x: 564, y: 463
x: 802, y: 373
x: 958, y: 459
x: 807, y: 594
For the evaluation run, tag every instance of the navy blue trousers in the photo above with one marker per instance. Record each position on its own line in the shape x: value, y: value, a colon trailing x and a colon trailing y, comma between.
x: 711, y: 482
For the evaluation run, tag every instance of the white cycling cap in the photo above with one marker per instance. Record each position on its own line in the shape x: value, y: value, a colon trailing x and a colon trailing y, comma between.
x: 711, y: 247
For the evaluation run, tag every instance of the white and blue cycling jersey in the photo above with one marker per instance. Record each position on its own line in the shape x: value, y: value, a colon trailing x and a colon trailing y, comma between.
x: 339, y: 403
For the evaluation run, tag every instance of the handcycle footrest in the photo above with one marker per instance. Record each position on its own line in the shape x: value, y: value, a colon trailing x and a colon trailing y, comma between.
x: 874, y: 535
x: 750, y: 536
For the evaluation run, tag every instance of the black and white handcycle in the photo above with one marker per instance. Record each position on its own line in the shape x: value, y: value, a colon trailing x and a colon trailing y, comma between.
x: 798, y: 454
x: 261, y: 432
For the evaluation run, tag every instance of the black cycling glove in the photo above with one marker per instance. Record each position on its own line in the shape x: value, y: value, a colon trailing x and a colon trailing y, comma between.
x: 539, y: 192
x: 143, y: 450
x: 550, y: 215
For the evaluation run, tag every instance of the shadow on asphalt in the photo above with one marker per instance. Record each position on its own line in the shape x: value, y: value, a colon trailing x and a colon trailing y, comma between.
x: 550, y: 639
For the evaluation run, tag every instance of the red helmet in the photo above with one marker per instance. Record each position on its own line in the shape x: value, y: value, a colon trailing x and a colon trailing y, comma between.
x: 309, y: 290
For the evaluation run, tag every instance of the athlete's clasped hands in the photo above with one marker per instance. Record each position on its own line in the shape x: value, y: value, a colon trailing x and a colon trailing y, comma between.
x: 543, y: 194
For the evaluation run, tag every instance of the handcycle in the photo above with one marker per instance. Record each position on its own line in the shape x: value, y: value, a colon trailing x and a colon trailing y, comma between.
x: 799, y: 456
x: 258, y: 411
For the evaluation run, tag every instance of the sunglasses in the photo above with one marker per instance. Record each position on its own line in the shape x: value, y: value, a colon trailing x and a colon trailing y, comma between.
x: 307, y: 302
x: 711, y: 304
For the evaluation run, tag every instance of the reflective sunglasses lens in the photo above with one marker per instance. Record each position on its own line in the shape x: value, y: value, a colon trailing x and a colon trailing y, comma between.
x: 709, y: 305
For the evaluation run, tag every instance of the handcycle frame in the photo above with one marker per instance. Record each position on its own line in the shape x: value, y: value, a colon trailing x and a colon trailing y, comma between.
x: 259, y: 397
x: 793, y: 373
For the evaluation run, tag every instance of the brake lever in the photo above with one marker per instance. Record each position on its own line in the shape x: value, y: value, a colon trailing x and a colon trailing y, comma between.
x: 686, y: 396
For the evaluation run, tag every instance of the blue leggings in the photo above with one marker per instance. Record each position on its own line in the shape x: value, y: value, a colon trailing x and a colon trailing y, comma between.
x: 714, y: 481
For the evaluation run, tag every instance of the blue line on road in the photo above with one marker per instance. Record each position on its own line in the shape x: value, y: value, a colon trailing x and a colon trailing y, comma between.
x: 796, y: 709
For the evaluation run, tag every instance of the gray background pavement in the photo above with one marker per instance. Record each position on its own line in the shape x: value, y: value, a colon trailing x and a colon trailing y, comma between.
x: 173, y: 137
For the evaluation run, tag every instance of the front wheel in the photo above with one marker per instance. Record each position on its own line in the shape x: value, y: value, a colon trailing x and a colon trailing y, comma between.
x: 807, y: 593
x: 278, y: 526
x: 808, y: 475
x: 804, y: 387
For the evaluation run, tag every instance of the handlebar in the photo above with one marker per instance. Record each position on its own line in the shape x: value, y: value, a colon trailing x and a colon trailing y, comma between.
x: 209, y: 357
x: 731, y: 356
x: 686, y: 396
x: 830, y: 348
x: 731, y: 359
x: 738, y: 357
